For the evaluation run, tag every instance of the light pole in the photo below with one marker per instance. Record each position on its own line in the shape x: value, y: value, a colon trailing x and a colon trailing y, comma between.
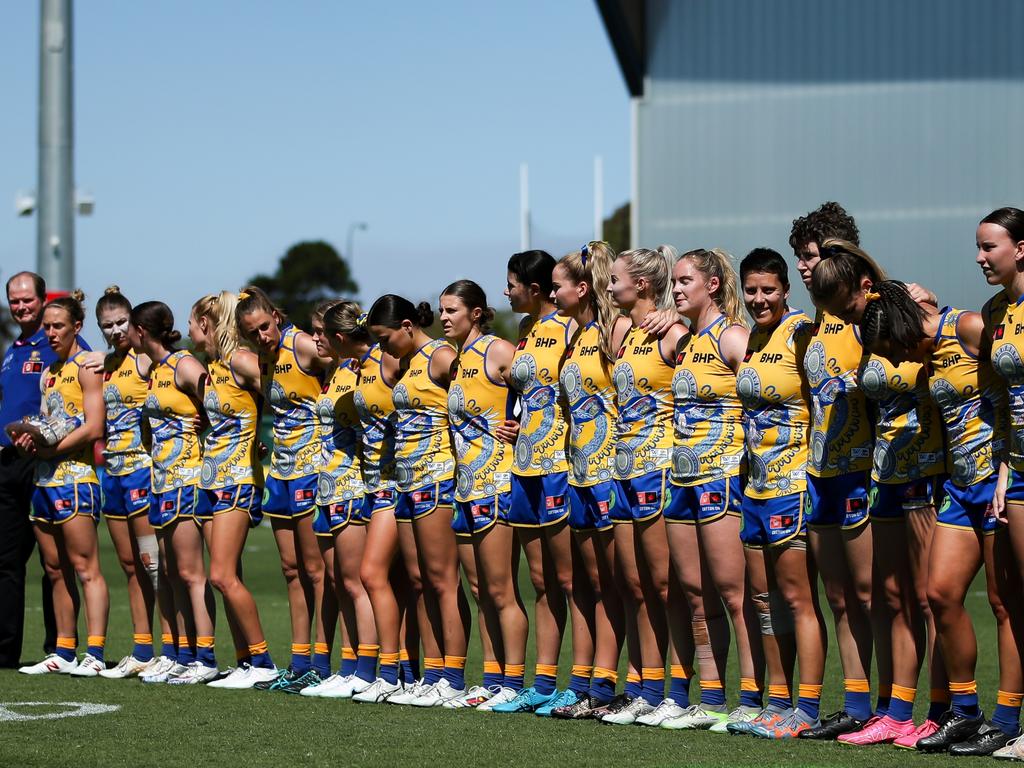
x: 362, y: 226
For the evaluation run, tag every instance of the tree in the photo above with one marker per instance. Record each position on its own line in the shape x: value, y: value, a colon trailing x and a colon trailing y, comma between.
x: 308, y: 273
x: 616, y: 228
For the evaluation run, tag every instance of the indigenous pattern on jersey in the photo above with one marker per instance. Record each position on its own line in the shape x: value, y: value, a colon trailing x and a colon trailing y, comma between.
x: 124, y: 393
x: 1005, y: 318
x: 340, y: 477
x: 775, y: 406
x: 586, y: 383
x: 177, y: 459
x: 229, y: 455
x: 292, y: 395
x: 376, y: 408
x: 708, y: 414
x: 477, y: 406
x: 909, y: 442
x: 841, y: 433
x: 423, y: 445
x: 62, y: 396
x: 969, y: 396
x: 543, y: 432
x: 643, y: 386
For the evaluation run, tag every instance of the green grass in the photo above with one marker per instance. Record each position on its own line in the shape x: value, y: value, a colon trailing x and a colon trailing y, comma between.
x: 194, y: 726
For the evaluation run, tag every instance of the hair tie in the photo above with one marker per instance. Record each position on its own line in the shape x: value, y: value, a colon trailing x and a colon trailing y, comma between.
x: 583, y: 255
x: 870, y: 296
x: 361, y: 322
x: 243, y: 295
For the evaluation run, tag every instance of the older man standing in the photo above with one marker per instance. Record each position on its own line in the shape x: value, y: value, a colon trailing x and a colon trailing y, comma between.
x: 23, y: 363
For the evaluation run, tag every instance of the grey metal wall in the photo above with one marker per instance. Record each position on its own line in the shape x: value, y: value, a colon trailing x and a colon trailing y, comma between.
x: 908, y: 112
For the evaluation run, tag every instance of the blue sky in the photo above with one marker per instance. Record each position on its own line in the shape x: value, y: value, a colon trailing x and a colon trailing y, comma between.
x: 215, y: 135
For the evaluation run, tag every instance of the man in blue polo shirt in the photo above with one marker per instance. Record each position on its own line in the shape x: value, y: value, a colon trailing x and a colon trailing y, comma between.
x: 23, y: 363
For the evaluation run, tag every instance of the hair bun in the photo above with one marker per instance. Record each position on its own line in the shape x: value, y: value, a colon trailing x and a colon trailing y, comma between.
x: 112, y: 290
x: 78, y: 295
x: 488, y: 316
x: 424, y: 315
x: 172, y: 337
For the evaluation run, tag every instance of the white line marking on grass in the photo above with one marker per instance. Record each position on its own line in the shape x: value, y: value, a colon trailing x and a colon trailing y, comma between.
x: 82, y: 708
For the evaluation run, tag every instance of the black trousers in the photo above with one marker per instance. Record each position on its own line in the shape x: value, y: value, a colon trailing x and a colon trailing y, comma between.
x: 16, y: 544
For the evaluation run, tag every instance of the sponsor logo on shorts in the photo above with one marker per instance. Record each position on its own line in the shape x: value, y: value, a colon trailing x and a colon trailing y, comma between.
x: 916, y: 490
x: 779, y: 522
x: 167, y: 506
x: 711, y: 499
x: 481, y: 510
x: 224, y: 495
x: 383, y: 495
x: 647, y: 497
x: 62, y: 504
x: 554, y: 502
x: 602, y: 507
x: 303, y: 494
x: 138, y: 494
x: 855, y: 504
x: 421, y: 496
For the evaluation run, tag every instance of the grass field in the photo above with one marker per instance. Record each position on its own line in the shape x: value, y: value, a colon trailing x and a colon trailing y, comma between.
x: 194, y: 726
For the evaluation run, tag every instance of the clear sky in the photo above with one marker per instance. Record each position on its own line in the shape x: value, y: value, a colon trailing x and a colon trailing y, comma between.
x: 213, y: 135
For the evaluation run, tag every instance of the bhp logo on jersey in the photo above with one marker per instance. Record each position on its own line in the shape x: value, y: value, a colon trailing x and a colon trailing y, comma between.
x: 303, y: 494
x: 554, y: 502
x: 780, y: 522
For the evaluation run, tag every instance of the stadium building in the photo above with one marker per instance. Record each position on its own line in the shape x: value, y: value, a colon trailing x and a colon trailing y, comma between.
x: 747, y: 113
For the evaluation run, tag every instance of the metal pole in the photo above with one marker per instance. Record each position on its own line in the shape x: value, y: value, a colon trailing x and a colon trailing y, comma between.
x: 524, y: 207
x: 598, y: 197
x: 55, y: 246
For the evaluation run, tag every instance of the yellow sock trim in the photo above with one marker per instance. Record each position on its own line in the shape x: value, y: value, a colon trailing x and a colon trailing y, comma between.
x: 368, y: 649
x: 683, y: 671
x: 322, y: 648
x: 300, y: 649
x: 633, y: 677
x: 606, y: 674
x: 581, y: 670
x: 779, y: 691
x: 403, y: 655
x: 856, y: 685
x: 387, y: 659
x: 809, y: 691
x: 455, y: 662
x: 99, y: 640
x: 939, y: 695
x: 1008, y: 699
x: 515, y: 670
x: 652, y: 673
x: 551, y: 670
x: 142, y: 639
x: 971, y: 686
x: 903, y: 693
x: 713, y: 685
x: 348, y: 653
x: 167, y: 638
x: 431, y: 663
x: 66, y: 643
x: 492, y: 668
x: 205, y: 641
x: 257, y: 648
x: 748, y: 684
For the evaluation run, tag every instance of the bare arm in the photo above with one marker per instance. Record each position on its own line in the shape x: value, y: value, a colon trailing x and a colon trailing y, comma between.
x: 734, y: 345
x: 306, y: 354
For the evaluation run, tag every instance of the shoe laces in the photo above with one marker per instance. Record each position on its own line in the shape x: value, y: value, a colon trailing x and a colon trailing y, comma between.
x: 563, y: 699
x: 666, y: 705
x: 638, y: 706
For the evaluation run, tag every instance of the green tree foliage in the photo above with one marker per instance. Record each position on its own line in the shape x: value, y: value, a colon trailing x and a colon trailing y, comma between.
x: 308, y: 273
x: 616, y: 228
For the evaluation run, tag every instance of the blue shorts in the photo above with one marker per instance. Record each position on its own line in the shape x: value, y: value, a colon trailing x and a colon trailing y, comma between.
x: 290, y: 499
x: 188, y: 501
x: 838, y: 501
x: 590, y: 507
x: 420, y: 502
x: 770, y: 522
x: 331, y: 518
x: 890, y: 501
x: 969, y: 508
x: 539, y: 500
x: 706, y: 502
x: 1015, y: 486
x: 378, y: 500
x: 246, y: 497
x: 126, y: 496
x: 59, y: 504
x: 480, y: 515
x: 642, y: 498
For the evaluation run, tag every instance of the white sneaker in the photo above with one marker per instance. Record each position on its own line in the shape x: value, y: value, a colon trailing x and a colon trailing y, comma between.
x: 411, y: 692
x: 156, y: 665
x: 325, y: 686
x: 235, y: 679
x: 739, y: 715
x: 379, y: 691
x: 696, y: 717
x: 89, y: 666
x: 50, y: 665
x: 1014, y: 750
x: 638, y: 707
x: 259, y: 675
x: 472, y: 698
x: 129, y: 666
x: 667, y: 710
x: 503, y: 696
x: 196, y: 673
x: 164, y: 671
x: 438, y: 694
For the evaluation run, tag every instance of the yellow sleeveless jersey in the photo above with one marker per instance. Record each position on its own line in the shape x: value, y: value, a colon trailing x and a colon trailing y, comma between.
x: 841, y: 431
x: 292, y: 395
x: 477, y: 405
x: 124, y: 393
x: 543, y: 432
x: 376, y: 409
x: 229, y: 455
x: 969, y: 397
x: 177, y: 459
x: 423, y: 445
x: 909, y: 442
x: 774, y: 395
x: 340, y: 475
x: 586, y: 383
x: 1005, y: 318
x: 708, y: 413
x: 62, y: 396
x: 643, y: 388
